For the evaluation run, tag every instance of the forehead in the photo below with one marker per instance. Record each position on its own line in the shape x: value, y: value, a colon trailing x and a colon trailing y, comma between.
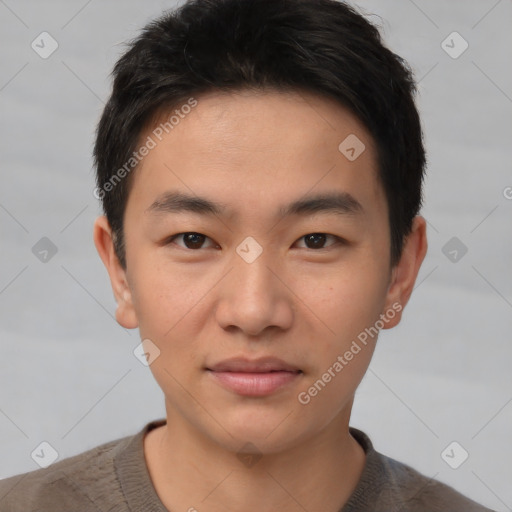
x: 257, y: 148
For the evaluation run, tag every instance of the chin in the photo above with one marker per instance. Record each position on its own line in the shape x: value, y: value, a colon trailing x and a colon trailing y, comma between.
x: 269, y: 431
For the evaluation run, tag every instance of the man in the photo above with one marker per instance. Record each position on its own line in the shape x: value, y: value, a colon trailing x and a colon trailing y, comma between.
x: 260, y: 166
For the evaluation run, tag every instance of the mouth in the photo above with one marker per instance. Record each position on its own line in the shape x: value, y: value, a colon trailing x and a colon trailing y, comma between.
x: 256, y: 378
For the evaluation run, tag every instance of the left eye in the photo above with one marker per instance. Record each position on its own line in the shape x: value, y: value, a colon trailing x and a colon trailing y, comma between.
x: 191, y: 240
x: 318, y: 240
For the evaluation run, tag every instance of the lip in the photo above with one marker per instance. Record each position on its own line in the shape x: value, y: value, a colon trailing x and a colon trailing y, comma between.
x: 261, y: 365
x: 259, y: 377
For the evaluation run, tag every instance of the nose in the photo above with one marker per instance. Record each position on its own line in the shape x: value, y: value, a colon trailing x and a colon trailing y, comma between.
x: 254, y: 297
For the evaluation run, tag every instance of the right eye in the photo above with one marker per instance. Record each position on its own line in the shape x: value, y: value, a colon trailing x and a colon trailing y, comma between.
x: 190, y: 240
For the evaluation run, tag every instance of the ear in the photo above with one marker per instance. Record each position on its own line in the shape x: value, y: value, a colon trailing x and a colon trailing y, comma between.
x: 125, y: 312
x: 404, y: 273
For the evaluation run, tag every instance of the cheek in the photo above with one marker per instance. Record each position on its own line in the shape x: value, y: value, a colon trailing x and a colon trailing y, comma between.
x: 164, y: 297
x: 345, y: 302
x: 348, y: 307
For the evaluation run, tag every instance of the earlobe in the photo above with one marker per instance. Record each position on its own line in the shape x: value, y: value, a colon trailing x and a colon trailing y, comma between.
x: 125, y: 312
x: 405, y: 272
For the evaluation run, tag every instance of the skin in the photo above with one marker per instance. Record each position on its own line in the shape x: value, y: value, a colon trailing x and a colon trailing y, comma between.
x: 255, y: 152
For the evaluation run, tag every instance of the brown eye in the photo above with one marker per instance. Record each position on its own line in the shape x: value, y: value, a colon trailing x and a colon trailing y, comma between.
x: 320, y: 241
x: 315, y: 240
x: 193, y: 240
x: 190, y: 240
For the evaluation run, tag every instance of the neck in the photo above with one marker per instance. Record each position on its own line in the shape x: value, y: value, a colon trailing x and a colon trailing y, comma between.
x: 193, y: 473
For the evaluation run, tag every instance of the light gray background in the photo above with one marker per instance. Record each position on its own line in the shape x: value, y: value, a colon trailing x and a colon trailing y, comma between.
x: 68, y: 374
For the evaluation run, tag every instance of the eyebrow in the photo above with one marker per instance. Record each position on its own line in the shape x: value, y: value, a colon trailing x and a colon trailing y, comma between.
x: 341, y: 203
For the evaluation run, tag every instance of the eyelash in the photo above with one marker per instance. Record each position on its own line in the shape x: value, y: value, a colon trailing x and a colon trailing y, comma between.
x: 337, y: 240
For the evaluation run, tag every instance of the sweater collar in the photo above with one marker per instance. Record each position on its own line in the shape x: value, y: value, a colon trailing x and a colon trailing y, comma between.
x: 133, y: 474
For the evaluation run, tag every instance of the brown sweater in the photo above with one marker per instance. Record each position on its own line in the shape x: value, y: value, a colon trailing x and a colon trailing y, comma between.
x: 114, y: 477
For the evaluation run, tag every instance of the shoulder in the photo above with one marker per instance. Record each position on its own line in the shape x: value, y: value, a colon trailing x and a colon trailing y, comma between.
x: 389, y: 485
x: 418, y: 492
x: 85, y: 482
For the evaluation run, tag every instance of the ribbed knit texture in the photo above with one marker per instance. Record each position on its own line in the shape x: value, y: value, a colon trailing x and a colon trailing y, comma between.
x: 114, y: 477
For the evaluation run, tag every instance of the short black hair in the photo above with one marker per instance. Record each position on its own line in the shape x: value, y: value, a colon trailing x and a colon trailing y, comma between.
x: 321, y: 46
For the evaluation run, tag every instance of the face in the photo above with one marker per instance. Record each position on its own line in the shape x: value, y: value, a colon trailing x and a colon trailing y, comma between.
x: 257, y: 260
